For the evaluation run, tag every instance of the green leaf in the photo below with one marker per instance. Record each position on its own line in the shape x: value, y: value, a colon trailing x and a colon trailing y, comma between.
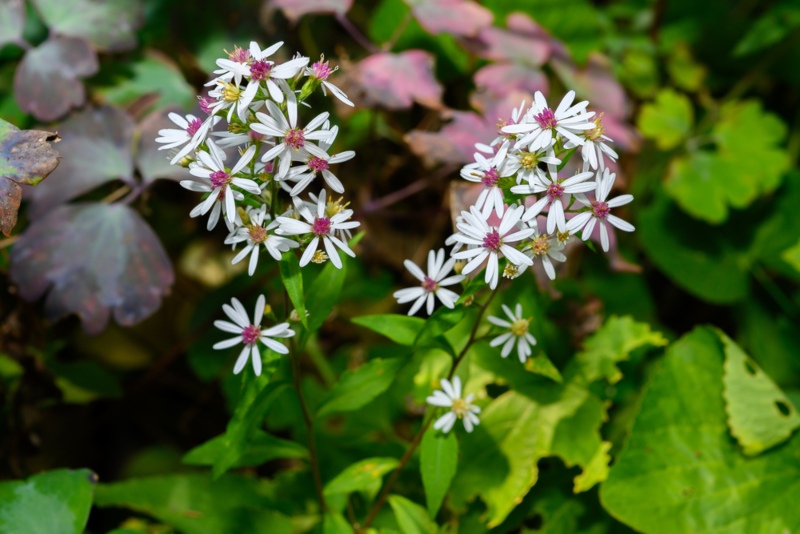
x: 411, y: 517
x: 196, y: 504
x: 438, y: 459
x: 440, y: 322
x: 401, y: 329
x: 324, y: 294
x: 335, y: 523
x: 684, y: 70
x: 680, y: 471
x: 772, y: 27
x: 668, y: 120
x: 293, y: 282
x: 792, y: 256
x: 365, y: 475
x: 83, y: 381
x: 596, y: 470
x: 577, y: 441
x: 359, y: 387
x: 759, y: 413
x: 53, y: 502
x: 541, y: 365
x: 260, y: 448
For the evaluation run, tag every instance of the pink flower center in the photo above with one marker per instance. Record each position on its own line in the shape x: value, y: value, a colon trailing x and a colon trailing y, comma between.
x: 600, y: 209
x: 219, y: 179
x: 295, y: 138
x: 555, y: 191
x: 258, y: 234
x: 205, y: 104
x: 321, y: 226
x: 321, y: 70
x: 251, y: 334
x: 429, y: 284
x: 317, y: 164
x: 259, y: 70
x: 492, y: 241
x: 240, y: 55
x: 546, y: 119
x: 490, y: 177
x: 255, y: 136
x: 194, y: 126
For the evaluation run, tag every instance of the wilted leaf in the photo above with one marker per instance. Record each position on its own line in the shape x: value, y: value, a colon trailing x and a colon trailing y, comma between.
x: 294, y: 9
x: 153, y: 164
x: 93, y: 260
x: 668, y: 120
x: 47, y: 82
x: 359, y: 387
x: 109, y: 24
x: 454, y: 17
x: 96, y: 148
x: 12, y: 20
x: 437, y: 464
x: 396, y: 81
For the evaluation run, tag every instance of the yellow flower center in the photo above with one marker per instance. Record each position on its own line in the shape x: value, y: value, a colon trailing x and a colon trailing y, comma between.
x: 529, y: 160
x: 540, y: 246
x: 511, y: 271
x: 319, y: 257
x: 562, y: 237
x: 598, y: 129
x: 230, y: 93
x: 459, y: 407
x: 520, y: 327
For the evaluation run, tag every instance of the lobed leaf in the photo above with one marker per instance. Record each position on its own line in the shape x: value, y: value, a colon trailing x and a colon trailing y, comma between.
x: 109, y: 24
x: 396, y: 81
x: 295, y: 9
x: 153, y: 164
x: 668, y: 120
x: 453, y: 17
x: 359, y: 387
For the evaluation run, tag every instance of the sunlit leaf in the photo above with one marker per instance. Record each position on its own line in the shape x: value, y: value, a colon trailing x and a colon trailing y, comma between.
x: 96, y: 148
x: 359, y: 387
x: 47, y: 83
x: 122, y: 268
x: 668, y: 120
x: 399, y: 328
x: 153, y: 164
x: 261, y: 448
x: 294, y: 9
x: 396, y: 81
x: 410, y: 516
x: 365, y: 475
x: 109, y: 24
x: 438, y: 460
x: 52, y: 502
x: 12, y: 20
x: 454, y: 17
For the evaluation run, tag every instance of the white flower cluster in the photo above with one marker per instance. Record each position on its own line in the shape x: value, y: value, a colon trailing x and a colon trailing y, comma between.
x: 257, y: 100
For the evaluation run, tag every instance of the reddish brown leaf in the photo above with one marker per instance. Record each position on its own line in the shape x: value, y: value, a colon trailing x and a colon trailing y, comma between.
x: 595, y: 82
x: 10, y: 198
x: 455, y: 17
x: 294, y: 9
x: 108, y: 24
x: 152, y: 162
x: 501, y: 79
x: 524, y: 42
x: 396, y: 81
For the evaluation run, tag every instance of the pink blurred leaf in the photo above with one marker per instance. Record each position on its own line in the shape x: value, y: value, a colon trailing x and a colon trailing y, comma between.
x: 47, y: 84
x: 96, y: 148
x: 396, y: 81
x: 455, y: 17
x: 109, y: 24
x: 93, y: 260
x: 523, y: 42
x: 294, y: 9
x: 12, y: 20
x: 152, y: 162
x: 501, y: 79
x: 596, y: 83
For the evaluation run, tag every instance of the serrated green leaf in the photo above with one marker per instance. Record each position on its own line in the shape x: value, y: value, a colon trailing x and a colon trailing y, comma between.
x: 359, y: 387
x: 401, y: 329
x: 293, y: 282
x: 438, y: 460
x: 53, y: 502
x: 668, y: 120
x: 365, y: 475
x: 260, y: 448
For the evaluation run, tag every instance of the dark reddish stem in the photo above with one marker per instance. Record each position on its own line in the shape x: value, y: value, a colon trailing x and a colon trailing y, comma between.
x: 356, y: 34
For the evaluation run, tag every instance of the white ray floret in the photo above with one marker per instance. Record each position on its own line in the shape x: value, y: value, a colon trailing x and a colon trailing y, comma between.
x: 432, y: 284
x: 257, y: 233
x: 460, y: 408
x: 517, y: 334
x: 484, y: 171
x: 600, y: 211
x: 554, y: 191
x: 315, y: 165
x: 541, y: 124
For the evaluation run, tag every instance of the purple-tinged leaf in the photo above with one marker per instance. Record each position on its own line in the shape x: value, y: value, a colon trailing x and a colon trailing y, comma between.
x: 501, y: 79
x: 152, y: 162
x: 294, y: 9
x: 12, y: 20
x: 96, y: 148
x: 94, y: 260
x: 109, y: 24
x: 26, y: 157
x: 454, y: 17
x: 523, y: 42
x: 596, y: 83
x: 396, y: 81
x: 47, y: 82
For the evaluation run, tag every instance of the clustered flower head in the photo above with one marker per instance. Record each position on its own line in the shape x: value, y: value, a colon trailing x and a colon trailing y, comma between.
x: 253, y: 157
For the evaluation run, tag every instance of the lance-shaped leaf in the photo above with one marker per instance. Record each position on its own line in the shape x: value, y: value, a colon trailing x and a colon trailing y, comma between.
x: 396, y: 81
x: 26, y: 157
x: 12, y: 20
x: 47, y: 82
x: 294, y: 9
x: 437, y: 465
x: 93, y: 260
x: 109, y: 24
x: 153, y: 164
x: 454, y: 17
x: 96, y: 148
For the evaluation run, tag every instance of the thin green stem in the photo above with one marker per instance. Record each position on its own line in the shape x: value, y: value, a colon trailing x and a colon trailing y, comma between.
x: 785, y: 303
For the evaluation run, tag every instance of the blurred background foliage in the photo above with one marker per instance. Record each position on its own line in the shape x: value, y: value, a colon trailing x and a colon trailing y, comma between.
x: 109, y: 288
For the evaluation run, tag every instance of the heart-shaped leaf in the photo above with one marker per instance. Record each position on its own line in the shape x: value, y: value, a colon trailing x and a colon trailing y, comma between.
x: 120, y: 267
x: 47, y: 82
x: 454, y: 17
x: 294, y: 9
x: 12, y: 20
x: 96, y: 149
x: 396, y: 81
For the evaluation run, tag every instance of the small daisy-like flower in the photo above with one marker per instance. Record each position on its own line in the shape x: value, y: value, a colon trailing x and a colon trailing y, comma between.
x: 192, y: 132
x: 249, y: 334
x: 315, y: 165
x: 432, y: 284
x: 546, y: 247
x: 321, y: 71
x: 484, y: 171
x: 540, y: 124
x: 594, y: 146
x: 233, y: 98
x: 332, y: 208
x: 489, y: 242
x: 525, y: 163
x: 502, y: 143
x: 554, y: 191
x: 517, y: 334
x: 322, y: 227
x: 460, y: 408
x: 265, y: 71
x: 235, y: 67
x: 600, y: 211
x: 256, y: 234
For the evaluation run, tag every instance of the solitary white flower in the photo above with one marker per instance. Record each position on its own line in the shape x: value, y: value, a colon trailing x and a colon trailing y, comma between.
x: 450, y: 397
x: 517, y: 334
x: 554, y: 190
x: 256, y: 234
x: 601, y: 211
x: 322, y: 227
x: 489, y: 242
x: 432, y: 284
x: 192, y: 132
x: 322, y: 71
x: 314, y: 165
x: 540, y: 124
x: 485, y: 172
x: 250, y: 334
x: 594, y: 146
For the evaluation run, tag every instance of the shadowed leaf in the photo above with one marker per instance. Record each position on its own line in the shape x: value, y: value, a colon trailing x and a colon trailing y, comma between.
x: 294, y: 9
x: 595, y: 82
x: 47, y: 84
x: 109, y: 24
x: 153, y: 163
x: 454, y: 17
x: 524, y: 42
x: 12, y: 20
x: 396, y: 81
x: 503, y: 78
x: 120, y: 267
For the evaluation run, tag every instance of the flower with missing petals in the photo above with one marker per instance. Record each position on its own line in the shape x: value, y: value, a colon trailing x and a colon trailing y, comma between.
x: 517, y: 334
x: 250, y: 333
x: 192, y: 132
x: 460, y: 408
x: 485, y: 172
x: 321, y: 71
x: 432, y: 284
x: 600, y: 211
x: 595, y: 149
x: 541, y: 124
x: 256, y: 234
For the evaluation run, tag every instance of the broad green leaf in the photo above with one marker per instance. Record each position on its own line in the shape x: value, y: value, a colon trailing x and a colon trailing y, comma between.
x: 440, y: 322
x: 680, y: 471
x: 411, y: 517
x: 759, y: 413
x: 335, y: 523
x: 109, y: 24
x: 53, y: 502
x: 668, y: 120
x: 596, y: 470
x: 260, y: 448
x: 324, y: 293
x: 401, y: 329
x: 438, y: 460
x: 775, y: 25
x: 84, y: 381
x: 293, y: 282
x: 365, y: 475
x: 541, y: 365
x: 578, y: 442
x: 359, y: 387
x: 196, y: 504
x: 560, y: 513
x: 792, y: 256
